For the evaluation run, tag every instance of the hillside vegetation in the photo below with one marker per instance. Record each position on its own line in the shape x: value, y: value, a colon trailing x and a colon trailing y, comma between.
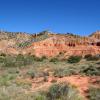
x: 49, y: 66
x: 23, y: 76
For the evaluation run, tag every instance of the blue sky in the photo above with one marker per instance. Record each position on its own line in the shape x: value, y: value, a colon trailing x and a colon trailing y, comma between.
x: 76, y: 16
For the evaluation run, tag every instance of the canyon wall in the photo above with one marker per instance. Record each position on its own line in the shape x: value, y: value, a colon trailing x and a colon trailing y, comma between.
x: 50, y: 45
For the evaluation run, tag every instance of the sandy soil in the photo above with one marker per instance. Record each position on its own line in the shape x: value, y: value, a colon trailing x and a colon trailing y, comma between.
x: 81, y: 82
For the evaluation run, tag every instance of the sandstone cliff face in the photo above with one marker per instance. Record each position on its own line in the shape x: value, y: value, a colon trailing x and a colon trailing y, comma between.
x: 68, y: 45
x: 51, y: 45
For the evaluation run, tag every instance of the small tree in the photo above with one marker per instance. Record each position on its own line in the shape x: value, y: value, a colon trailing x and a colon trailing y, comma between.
x: 91, y: 70
x: 3, y: 54
x: 74, y: 59
x: 20, y: 60
x: 54, y: 60
x: 89, y: 57
x: 57, y: 90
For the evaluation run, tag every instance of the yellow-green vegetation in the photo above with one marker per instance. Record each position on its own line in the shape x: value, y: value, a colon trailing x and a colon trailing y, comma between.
x: 89, y: 57
x: 55, y: 92
x: 23, y: 44
x: 62, y: 91
x: 74, y: 59
x: 54, y: 60
x: 16, y: 69
x: 6, y: 79
x: 94, y: 93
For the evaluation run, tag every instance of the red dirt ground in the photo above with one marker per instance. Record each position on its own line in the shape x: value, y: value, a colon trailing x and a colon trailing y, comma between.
x: 81, y: 82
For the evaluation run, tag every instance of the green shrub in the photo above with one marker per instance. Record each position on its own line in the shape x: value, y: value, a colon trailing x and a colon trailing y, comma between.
x: 3, y: 54
x: 54, y: 60
x: 38, y: 59
x: 41, y: 58
x: 40, y: 97
x: 2, y: 59
x: 44, y: 57
x: 98, y: 63
x: 7, y: 61
x: 89, y: 57
x: 14, y: 92
x: 28, y: 60
x: 23, y: 44
x: 56, y: 91
x: 63, y: 91
x: 20, y: 57
x: 65, y: 72
x: 31, y: 74
x: 94, y: 93
x: 59, y: 73
x: 6, y: 79
x: 24, y: 60
x: 9, y: 64
x: 20, y: 60
x: 91, y: 70
x: 17, y: 61
x: 74, y: 59
x: 13, y: 71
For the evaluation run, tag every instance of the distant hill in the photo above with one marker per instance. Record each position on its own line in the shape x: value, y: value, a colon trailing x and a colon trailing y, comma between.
x: 49, y: 44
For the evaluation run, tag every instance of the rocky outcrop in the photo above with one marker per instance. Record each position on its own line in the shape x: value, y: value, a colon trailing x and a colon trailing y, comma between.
x: 57, y: 44
x: 46, y: 44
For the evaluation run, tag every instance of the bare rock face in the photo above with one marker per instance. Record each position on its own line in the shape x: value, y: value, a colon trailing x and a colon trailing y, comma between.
x: 50, y: 45
x: 57, y: 44
x: 42, y: 48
